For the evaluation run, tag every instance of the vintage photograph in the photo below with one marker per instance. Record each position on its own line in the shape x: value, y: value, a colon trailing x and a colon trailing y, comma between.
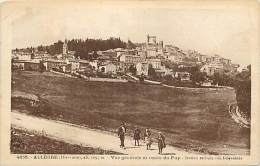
x: 107, y: 79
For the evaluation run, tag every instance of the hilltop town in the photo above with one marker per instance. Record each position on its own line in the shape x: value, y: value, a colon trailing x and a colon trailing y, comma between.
x: 200, y: 102
x: 151, y: 60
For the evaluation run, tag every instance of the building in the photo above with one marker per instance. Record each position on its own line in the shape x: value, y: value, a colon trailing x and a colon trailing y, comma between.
x: 212, y: 68
x: 38, y: 56
x: 83, y: 64
x: 65, y: 47
x: 66, y: 54
x: 108, y: 68
x: 53, y: 64
x: 156, y: 63
x: 202, y: 58
x: 183, y: 76
x: 225, y: 61
x: 94, y: 64
x: 74, y: 65
x: 152, y: 48
x: 175, y: 58
x: 142, y: 68
x: 22, y: 55
x: 126, y: 60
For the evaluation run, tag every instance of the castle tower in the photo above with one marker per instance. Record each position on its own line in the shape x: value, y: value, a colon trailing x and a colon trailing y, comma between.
x: 151, y: 39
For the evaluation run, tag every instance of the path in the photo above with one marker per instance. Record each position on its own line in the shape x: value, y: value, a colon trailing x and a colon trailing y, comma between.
x: 84, y: 136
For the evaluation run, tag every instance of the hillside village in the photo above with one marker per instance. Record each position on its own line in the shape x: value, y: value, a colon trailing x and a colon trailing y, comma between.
x: 151, y: 60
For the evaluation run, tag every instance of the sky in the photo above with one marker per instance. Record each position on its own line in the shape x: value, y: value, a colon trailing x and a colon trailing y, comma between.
x: 225, y: 29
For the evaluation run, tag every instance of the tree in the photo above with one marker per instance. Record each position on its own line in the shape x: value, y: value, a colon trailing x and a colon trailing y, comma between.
x: 198, y: 77
x: 141, y: 78
x: 42, y: 67
x: 83, y: 47
x: 151, y: 71
x: 132, y: 69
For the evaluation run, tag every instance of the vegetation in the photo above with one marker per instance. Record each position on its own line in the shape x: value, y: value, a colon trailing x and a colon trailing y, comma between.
x: 25, y: 142
x: 198, y: 77
x: 151, y: 71
x: 190, y: 119
x: 242, y: 84
x: 83, y: 48
x: 42, y: 67
x: 132, y: 69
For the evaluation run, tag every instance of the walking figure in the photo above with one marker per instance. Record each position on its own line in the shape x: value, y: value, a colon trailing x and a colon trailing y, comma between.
x: 137, y: 133
x: 147, y: 139
x: 121, y: 134
x: 161, y: 142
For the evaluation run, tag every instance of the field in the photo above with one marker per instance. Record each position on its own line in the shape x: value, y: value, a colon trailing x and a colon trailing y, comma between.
x: 193, y: 120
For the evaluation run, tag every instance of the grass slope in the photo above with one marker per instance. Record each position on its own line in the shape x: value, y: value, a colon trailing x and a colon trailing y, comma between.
x: 192, y: 120
x: 24, y: 142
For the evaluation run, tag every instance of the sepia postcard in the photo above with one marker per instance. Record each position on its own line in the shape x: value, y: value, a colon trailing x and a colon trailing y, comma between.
x: 130, y: 82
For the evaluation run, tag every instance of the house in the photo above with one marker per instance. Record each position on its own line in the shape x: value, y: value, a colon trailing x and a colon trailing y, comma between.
x: 74, y: 65
x: 142, y: 68
x: 66, y: 68
x: 183, y: 76
x: 54, y: 64
x: 212, y: 68
x: 130, y: 59
x: 155, y: 62
x: 94, y: 64
x: 40, y: 54
x: 225, y: 61
x: 174, y: 58
x: 107, y: 68
x: 83, y: 63
x: 126, y: 60
x: 202, y: 58
x: 23, y: 55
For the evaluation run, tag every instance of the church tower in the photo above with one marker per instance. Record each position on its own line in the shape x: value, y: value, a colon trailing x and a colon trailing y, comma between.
x: 65, y: 47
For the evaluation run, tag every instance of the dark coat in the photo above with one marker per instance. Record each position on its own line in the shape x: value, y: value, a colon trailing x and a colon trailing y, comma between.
x: 161, y: 141
x: 137, y: 133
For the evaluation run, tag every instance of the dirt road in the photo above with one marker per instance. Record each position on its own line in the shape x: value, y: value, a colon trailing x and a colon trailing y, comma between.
x: 84, y: 136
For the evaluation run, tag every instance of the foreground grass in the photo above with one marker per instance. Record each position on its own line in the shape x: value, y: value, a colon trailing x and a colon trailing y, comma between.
x: 191, y: 120
x: 24, y: 142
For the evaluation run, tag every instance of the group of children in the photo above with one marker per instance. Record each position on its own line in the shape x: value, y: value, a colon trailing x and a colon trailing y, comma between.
x: 137, y: 136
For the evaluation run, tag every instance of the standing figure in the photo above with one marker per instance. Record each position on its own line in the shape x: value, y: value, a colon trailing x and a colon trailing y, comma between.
x: 121, y: 134
x: 148, y: 139
x: 137, y: 133
x: 161, y: 142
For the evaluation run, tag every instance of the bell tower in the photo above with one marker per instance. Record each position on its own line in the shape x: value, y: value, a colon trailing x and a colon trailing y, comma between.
x: 65, y: 47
